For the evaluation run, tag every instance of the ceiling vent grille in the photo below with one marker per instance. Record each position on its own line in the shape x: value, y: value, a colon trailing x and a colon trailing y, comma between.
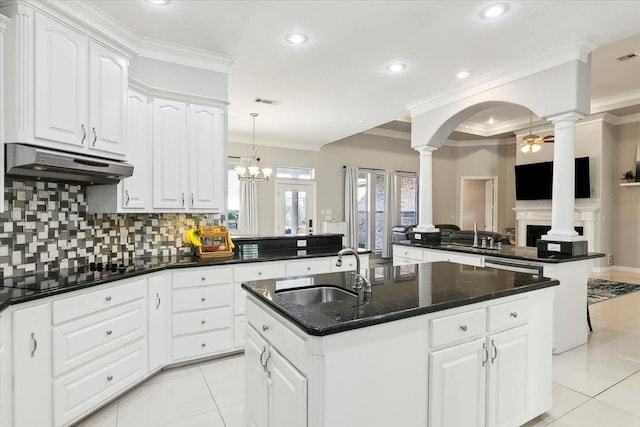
x: 267, y: 101
x: 629, y: 56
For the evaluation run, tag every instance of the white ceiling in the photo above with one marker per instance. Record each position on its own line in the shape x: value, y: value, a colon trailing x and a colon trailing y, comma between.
x: 336, y: 85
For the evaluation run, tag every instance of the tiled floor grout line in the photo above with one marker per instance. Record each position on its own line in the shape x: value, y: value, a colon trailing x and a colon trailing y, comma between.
x: 215, y: 402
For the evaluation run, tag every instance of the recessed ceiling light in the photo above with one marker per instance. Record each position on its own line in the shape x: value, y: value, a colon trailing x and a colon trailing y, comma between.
x: 491, y: 120
x: 159, y: 2
x: 463, y: 74
x: 396, y: 67
x: 362, y: 121
x: 297, y: 38
x: 494, y: 10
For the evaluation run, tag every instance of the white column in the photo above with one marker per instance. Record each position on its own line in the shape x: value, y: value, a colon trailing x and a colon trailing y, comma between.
x: 425, y: 197
x: 563, y: 197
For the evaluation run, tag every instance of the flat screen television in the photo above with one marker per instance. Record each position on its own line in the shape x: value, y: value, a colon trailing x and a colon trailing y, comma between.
x: 535, y: 180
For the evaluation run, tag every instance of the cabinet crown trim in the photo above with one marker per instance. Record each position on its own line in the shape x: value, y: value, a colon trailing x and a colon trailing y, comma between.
x: 172, y: 95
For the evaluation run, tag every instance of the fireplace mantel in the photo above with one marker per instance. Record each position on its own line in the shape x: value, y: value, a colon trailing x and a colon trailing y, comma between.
x: 584, y: 216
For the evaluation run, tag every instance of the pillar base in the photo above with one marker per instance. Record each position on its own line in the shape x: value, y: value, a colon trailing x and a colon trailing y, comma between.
x: 430, y: 237
x: 561, y: 249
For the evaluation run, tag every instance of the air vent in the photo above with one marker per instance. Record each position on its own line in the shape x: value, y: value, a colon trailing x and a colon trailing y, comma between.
x: 629, y: 56
x: 267, y: 101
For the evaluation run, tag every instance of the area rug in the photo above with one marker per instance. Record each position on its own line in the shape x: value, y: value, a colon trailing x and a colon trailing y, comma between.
x: 600, y: 290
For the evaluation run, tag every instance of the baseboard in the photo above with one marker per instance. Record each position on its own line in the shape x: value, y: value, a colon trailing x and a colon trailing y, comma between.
x: 626, y: 269
x: 602, y: 269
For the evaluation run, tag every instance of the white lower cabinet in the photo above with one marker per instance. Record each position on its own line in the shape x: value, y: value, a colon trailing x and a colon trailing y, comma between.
x: 276, y: 390
x: 159, y: 312
x: 32, y: 366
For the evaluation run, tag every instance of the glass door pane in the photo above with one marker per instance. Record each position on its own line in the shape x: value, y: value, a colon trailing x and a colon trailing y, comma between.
x: 363, y: 210
x: 295, y: 212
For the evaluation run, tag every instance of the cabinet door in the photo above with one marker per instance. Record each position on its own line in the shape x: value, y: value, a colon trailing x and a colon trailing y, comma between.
x: 136, y: 190
x: 256, y: 381
x: 457, y: 385
x: 60, y: 75
x: 32, y: 366
x: 108, y: 83
x: 158, y: 307
x: 170, y: 157
x: 207, y: 169
x: 507, y: 382
x: 287, y: 394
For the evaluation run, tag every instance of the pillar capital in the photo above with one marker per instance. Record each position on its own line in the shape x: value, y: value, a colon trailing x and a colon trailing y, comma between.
x: 425, y: 150
x: 568, y: 117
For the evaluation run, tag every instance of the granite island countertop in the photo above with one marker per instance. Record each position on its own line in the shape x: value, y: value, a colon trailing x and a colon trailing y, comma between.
x: 42, y: 284
x: 397, y: 293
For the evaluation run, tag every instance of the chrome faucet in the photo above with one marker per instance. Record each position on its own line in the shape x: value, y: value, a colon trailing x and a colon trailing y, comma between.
x: 359, y: 282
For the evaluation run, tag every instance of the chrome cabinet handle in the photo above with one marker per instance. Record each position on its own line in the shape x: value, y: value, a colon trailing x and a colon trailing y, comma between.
x: 159, y: 300
x: 495, y: 352
x: 266, y: 365
x: 183, y: 200
x: 191, y: 199
x: 464, y: 328
x: 514, y: 314
x: 486, y: 354
x: 259, y: 273
x: 108, y: 299
x: 308, y: 268
x: 110, y: 377
x: 126, y: 192
x: 109, y: 332
x: 204, y: 345
x: 203, y: 299
x: 95, y: 137
x: 203, y: 278
x: 84, y: 134
x: 203, y: 321
x: 264, y: 350
x: 265, y: 328
x: 35, y: 344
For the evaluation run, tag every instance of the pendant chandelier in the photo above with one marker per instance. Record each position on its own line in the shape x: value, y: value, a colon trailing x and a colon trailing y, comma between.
x: 253, y: 172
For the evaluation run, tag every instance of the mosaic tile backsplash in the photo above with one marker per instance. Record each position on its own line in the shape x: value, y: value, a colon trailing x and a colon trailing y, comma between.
x: 45, y: 225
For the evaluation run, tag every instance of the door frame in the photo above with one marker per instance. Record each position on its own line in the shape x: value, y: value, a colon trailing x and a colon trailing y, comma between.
x: 493, y: 178
x: 311, y: 209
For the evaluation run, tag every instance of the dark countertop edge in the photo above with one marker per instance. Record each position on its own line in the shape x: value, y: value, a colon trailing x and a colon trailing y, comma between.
x: 489, y: 252
x: 284, y: 236
x: 376, y: 320
x: 35, y: 295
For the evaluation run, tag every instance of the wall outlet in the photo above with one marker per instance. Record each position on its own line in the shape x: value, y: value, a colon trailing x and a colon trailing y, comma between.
x: 610, y: 259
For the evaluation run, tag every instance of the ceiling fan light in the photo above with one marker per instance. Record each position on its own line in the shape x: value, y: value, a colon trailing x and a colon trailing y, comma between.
x: 535, y: 148
x: 525, y: 148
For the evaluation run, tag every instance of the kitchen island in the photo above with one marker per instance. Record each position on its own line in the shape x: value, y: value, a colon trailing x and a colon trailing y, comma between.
x: 570, y: 328
x: 437, y: 344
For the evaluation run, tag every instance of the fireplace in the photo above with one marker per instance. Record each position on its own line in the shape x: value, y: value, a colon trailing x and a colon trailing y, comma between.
x: 535, y: 232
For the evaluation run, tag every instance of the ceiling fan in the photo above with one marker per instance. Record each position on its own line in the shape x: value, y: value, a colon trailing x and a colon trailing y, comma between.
x: 532, y: 143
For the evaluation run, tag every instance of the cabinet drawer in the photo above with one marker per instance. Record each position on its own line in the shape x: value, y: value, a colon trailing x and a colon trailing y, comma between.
x: 277, y: 334
x: 409, y: 252
x: 259, y: 272
x: 86, y: 388
x: 91, y: 302
x: 457, y: 327
x: 202, y: 277
x: 509, y: 314
x: 202, y: 321
x: 202, y: 297
x: 204, y: 344
x: 304, y: 267
x: 85, y: 339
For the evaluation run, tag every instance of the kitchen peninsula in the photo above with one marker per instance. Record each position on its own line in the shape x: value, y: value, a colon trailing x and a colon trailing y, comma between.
x: 570, y: 304
x: 436, y: 343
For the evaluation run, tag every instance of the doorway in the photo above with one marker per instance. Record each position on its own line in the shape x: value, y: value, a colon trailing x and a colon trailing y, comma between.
x: 295, y: 206
x: 478, y: 202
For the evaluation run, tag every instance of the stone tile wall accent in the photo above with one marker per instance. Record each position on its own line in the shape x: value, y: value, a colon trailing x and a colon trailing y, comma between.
x: 45, y: 225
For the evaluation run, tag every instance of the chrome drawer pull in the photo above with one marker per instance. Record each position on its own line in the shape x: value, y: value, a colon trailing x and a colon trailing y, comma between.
x: 259, y: 273
x: 159, y: 300
x: 203, y: 278
x: 204, y: 345
x: 84, y: 134
x: 110, y: 377
x: 203, y: 321
x: 514, y: 314
x: 95, y: 137
x: 35, y: 344
x: 495, y: 352
x: 265, y: 328
x: 308, y: 268
x: 109, y: 332
x: 203, y: 299
x: 463, y: 328
x: 108, y: 299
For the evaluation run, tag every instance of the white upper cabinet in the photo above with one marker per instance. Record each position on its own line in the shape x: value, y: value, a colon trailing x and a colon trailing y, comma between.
x: 68, y: 91
x: 170, y: 161
x: 207, y: 157
x: 136, y: 190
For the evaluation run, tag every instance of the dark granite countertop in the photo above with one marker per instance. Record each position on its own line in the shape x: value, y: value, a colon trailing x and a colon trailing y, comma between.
x: 398, y: 292
x: 523, y: 253
x: 28, y: 287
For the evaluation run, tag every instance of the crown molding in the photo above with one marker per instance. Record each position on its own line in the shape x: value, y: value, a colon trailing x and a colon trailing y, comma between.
x: 577, y: 50
x: 173, y: 95
x: 232, y: 135
x: 95, y: 21
x: 388, y: 133
x: 478, y: 143
x: 613, y: 102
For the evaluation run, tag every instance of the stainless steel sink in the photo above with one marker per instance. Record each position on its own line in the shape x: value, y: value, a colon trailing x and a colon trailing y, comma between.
x: 315, y: 295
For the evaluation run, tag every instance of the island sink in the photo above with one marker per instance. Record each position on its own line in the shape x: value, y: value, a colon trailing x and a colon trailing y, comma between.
x: 315, y: 295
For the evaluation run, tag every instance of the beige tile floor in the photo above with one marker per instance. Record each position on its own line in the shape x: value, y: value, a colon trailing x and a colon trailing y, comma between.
x: 595, y: 385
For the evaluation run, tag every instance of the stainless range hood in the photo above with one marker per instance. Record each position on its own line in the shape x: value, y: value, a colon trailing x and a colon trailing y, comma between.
x: 42, y: 163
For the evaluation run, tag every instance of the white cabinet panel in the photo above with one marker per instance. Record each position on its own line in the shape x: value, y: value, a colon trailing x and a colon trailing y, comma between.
x: 32, y: 366
x: 136, y: 190
x: 202, y: 297
x: 202, y: 320
x: 308, y: 266
x: 159, y: 312
x: 287, y: 394
x: 456, y: 386
x: 201, y: 345
x: 170, y: 161
x: 256, y: 381
x: 202, y: 276
x: 60, y: 73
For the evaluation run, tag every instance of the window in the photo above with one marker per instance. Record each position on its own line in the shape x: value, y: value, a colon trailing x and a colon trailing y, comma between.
x: 370, y: 209
x: 293, y: 172
x: 408, y: 183
x: 233, y: 194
